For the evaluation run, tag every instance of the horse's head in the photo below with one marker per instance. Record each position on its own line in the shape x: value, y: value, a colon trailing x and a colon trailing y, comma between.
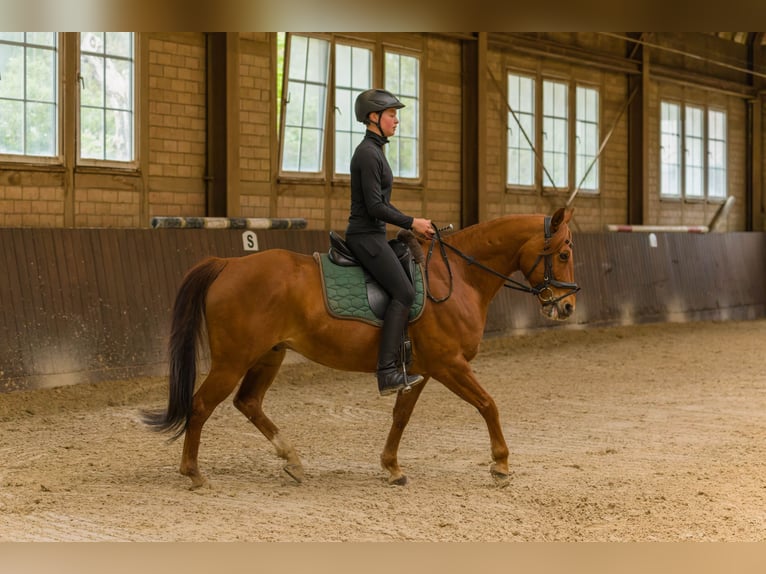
x: 546, y: 261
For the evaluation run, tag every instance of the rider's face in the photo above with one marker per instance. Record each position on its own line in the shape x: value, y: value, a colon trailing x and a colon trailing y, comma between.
x: 388, y: 122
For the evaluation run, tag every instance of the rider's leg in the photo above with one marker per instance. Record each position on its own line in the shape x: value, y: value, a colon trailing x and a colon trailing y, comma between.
x: 377, y: 257
x: 392, y: 378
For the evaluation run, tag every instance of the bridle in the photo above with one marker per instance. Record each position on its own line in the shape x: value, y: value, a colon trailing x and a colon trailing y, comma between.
x: 542, y: 290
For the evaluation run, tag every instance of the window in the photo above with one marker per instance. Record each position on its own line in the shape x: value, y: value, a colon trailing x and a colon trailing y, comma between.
x: 716, y: 152
x: 324, y: 78
x: 702, y: 173
x: 353, y: 75
x: 107, y: 96
x: 29, y: 93
x: 693, y: 160
x: 586, y: 134
x: 670, y: 150
x: 554, y: 131
x: 306, y: 108
x: 521, y: 130
x: 30, y: 114
x: 281, y: 38
x: 403, y: 80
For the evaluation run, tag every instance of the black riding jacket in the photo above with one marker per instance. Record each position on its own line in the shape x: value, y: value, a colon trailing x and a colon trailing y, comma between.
x: 371, y: 181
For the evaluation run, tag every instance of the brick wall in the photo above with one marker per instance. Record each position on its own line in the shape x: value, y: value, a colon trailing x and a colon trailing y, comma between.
x: 176, y: 125
x: 443, y: 132
x: 257, y: 112
x: 103, y: 201
x: 31, y: 199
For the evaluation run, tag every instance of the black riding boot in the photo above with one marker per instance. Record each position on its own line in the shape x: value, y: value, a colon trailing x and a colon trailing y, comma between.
x: 391, y: 378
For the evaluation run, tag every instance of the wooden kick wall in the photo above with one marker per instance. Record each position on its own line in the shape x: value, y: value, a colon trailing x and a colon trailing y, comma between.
x: 86, y: 305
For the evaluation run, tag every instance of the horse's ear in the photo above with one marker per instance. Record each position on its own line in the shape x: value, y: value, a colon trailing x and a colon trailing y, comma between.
x: 562, y: 215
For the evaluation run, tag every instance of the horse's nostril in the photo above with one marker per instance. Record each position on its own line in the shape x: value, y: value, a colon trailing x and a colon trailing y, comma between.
x: 568, y: 309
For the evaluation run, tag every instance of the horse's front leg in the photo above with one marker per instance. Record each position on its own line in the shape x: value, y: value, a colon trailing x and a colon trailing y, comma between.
x: 405, y: 403
x: 461, y: 381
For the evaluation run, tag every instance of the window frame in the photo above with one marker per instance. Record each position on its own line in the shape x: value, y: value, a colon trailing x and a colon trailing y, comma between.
x: 549, y: 183
x: 418, y: 111
x: 694, y: 138
x: 677, y: 134
x: 321, y: 174
x: 515, y: 125
x: 360, y: 128
x: 725, y: 168
x: 58, y: 140
x: 595, y: 160
x: 542, y: 183
x: 378, y: 51
x: 131, y: 164
x: 705, y: 144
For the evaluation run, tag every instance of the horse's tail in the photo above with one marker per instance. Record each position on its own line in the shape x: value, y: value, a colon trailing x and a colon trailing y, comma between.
x: 185, y: 333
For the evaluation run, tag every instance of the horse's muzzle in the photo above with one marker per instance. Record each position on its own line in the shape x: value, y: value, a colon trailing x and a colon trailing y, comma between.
x: 559, y: 310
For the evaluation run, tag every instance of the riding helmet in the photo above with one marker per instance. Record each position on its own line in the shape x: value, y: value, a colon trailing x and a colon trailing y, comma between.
x: 374, y: 100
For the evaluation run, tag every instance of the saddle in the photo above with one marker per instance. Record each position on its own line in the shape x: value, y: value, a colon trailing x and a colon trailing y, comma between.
x: 377, y: 297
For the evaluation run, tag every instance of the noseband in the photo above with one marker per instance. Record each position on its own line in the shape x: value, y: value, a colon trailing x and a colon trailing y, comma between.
x: 542, y: 290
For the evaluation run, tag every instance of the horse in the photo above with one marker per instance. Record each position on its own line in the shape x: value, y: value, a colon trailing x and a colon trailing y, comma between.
x: 256, y: 307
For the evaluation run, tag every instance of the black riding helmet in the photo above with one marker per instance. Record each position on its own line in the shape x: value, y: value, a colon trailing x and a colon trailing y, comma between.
x: 374, y: 100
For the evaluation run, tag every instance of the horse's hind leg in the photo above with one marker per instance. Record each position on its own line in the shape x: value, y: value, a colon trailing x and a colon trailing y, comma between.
x: 405, y: 404
x: 249, y: 401
x: 218, y: 385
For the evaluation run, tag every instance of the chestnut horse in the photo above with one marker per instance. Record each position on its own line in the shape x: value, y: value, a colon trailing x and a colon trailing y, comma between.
x: 255, y: 307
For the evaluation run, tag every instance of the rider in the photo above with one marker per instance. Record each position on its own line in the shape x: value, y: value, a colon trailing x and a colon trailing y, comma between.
x: 371, y: 210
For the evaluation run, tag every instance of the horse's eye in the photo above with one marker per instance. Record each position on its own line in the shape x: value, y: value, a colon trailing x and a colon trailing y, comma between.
x: 564, y: 255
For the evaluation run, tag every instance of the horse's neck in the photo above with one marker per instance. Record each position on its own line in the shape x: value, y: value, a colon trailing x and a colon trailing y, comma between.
x: 497, y: 244
x: 499, y: 241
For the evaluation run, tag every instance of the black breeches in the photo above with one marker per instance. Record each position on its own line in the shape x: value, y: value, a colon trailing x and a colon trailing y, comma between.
x: 380, y: 261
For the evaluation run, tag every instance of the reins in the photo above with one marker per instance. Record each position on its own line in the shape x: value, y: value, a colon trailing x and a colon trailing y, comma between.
x: 542, y: 290
x: 438, y: 238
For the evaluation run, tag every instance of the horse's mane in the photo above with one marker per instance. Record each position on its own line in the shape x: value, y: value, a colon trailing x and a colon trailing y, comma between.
x: 557, y: 239
x: 408, y: 238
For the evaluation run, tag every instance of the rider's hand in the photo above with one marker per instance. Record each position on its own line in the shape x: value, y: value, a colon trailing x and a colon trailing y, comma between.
x: 423, y: 227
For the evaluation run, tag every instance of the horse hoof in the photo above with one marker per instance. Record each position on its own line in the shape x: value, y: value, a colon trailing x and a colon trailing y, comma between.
x: 501, y: 479
x: 200, y: 483
x: 295, y: 472
x: 401, y: 481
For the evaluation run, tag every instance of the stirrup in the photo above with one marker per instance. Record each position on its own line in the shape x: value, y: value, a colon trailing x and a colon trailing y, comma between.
x: 395, y: 380
x: 410, y: 380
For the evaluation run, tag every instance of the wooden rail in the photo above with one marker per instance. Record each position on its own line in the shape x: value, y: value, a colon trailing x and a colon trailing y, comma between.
x: 83, y: 305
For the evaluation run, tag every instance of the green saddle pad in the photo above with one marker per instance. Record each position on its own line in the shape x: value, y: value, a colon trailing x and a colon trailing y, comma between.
x: 345, y: 292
